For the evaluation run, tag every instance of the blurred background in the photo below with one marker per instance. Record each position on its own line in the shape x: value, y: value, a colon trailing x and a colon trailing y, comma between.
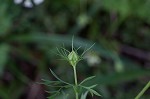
x: 30, y: 31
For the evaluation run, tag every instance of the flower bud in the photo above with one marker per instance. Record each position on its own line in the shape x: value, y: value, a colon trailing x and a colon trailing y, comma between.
x: 73, y: 58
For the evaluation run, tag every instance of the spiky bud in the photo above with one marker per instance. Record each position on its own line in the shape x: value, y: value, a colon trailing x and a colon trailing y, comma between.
x: 73, y: 58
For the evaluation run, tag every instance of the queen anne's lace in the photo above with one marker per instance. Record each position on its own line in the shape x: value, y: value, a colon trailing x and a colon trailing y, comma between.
x: 28, y: 3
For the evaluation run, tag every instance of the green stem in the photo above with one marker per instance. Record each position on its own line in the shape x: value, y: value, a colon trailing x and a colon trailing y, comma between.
x: 143, y: 90
x: 76, y: 82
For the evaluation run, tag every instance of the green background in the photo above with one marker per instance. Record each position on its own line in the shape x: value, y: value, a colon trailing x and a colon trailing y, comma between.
x: 29, y: 36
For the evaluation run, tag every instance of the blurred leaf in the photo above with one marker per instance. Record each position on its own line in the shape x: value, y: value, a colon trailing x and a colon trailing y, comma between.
x: 4, y: 51
x: 69, y: 92
x: 3, y: 93
x: 83, y: 96
x: 115, y: 78
x: 94, y: 92
x: 119, y: 67
x: 92, y: 86
x: 48, y: 82
x: 123, y: 9
x: 65, y: 96
x: 52, y: 96
x: 4, y: 19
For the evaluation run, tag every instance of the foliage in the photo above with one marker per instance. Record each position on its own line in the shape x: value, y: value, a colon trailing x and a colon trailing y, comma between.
x: 73, y: 58
x: 120, y: 29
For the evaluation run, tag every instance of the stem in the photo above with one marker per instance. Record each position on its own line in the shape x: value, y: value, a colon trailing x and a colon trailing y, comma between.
x: 75, y: 75
x: 143, y: 90
x: 76, y: 82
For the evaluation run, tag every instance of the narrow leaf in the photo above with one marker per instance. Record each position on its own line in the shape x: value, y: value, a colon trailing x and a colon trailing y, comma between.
x: 4, y: 50
x: 52, y: 96
x: 65, y: 96
x: 59, y: 78
x: 89, y: 78
x: 48, y: 82
x: 83, y: 96
x: 90, y: 87
x: 91, y: 93
x: 87, y: 49
x: 94, y: 92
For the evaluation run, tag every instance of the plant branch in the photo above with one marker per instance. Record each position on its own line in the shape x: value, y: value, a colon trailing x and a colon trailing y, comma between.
x: 76, y: 82
x: 143, y: 90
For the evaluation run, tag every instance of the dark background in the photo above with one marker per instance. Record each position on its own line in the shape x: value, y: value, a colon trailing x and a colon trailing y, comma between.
x: 121, y: 55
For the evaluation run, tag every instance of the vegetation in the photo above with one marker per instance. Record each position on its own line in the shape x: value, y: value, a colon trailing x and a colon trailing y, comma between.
x: 119, y: 59
x: 73, y: 58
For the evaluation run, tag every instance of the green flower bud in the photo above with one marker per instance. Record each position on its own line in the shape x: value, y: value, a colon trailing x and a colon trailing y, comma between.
x: 73, y: 58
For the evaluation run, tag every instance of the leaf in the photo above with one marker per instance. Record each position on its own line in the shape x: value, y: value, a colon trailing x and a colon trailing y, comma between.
x: 83, y: 96
x: 48, y: 82
x: 90, y: 87
x: 116, y: 78
x: 5, y: 19
x: 59, y: 78
x: 91, y: 90
x: 91, y: 93
x: 52, y: 92
x: 4, y: 51
x: 56, y: 92
x: 3, y: 93
x: 123, y: 9
x: 68, y: 91
x: 94, y: 92
x: 52, y: 96
x: 89, y: 78
x: 65, y: 96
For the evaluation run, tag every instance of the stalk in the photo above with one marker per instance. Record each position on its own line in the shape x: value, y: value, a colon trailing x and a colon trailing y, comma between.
x: 76, y: 82
x: 143, y: 90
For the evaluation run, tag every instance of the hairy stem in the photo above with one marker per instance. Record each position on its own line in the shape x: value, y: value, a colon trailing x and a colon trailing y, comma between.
x: 143, y: 90
x: 76, y: 82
